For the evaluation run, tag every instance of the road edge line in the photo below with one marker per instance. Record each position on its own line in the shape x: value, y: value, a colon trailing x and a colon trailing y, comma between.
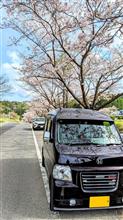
x: 43, y: 172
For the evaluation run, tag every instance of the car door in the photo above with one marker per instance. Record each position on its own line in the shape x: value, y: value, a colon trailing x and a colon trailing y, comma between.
x: 48, y: 148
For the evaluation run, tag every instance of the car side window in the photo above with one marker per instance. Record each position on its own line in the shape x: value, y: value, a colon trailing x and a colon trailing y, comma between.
x: 49, y: 125
x: 46, y: 124
x: 50, y: 128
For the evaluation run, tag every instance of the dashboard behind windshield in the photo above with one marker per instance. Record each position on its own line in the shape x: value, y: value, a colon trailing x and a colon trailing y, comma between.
x: 83, y: 132
x: 40, y: 119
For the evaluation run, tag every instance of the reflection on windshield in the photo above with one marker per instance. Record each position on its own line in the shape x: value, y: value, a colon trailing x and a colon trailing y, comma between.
x: 40, y: 119
x: 80, y: 133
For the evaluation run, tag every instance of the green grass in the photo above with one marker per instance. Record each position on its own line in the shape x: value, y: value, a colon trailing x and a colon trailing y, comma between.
x: 119, y: 124
x: 2, y: 120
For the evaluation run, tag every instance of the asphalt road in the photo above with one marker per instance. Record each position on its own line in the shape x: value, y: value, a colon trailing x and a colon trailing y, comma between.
x: 22, y: 191
x: 6, y: 127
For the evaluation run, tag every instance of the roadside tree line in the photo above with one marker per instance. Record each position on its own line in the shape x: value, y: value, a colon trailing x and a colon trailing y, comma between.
x: 13, y: 109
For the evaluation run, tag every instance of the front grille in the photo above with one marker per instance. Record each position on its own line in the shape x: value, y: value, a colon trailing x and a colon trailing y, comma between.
x: 99, y: 181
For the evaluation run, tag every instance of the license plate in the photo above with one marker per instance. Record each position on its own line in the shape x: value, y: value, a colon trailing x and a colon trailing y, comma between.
x: 99, y: 201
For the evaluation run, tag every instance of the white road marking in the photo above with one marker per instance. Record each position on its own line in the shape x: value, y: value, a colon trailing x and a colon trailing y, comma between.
x: 43, y: 172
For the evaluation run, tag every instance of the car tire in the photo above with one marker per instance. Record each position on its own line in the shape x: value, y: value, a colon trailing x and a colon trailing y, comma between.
x: 43, y: 164
x: 51, y: 194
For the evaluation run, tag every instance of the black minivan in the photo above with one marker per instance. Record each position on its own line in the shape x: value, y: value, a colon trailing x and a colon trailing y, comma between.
x: 83, y: 156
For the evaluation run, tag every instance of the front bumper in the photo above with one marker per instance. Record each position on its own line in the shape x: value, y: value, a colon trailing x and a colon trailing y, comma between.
x: 82, y: 200
x: 38, y: 126
x: 85, y: 209
x: 64, y: 192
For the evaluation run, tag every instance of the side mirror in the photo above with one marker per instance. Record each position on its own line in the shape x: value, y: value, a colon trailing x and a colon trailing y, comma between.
x: 46, y: 136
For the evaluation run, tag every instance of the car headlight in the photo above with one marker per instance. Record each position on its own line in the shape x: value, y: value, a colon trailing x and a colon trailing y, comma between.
x: 61, y: 172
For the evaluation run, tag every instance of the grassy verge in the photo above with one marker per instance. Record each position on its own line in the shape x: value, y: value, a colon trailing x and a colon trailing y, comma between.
x: 2, y: 120
x: 119, y: 124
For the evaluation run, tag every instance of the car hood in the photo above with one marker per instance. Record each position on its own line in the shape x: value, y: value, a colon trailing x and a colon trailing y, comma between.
x: 39, y: 122
x: 90, y: 155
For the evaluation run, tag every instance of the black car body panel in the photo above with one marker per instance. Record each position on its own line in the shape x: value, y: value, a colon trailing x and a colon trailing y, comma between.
x: 96, y: 170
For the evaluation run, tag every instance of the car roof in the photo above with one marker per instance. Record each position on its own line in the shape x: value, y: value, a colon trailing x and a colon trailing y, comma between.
x: 79, y: 113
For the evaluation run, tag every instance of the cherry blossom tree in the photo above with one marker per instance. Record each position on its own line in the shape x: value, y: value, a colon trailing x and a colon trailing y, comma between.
x: 52, y: 93
x: 76, y: 44
x: 4, y: 85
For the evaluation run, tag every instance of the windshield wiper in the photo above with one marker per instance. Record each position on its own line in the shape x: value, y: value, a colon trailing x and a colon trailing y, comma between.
x: 86, y: 143
x: 113, y: 144
x: 75, y: 143
x: 90, y: 143
x: 96, y: 144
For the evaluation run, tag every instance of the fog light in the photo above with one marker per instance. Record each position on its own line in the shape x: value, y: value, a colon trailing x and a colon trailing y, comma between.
x: 72, y: 202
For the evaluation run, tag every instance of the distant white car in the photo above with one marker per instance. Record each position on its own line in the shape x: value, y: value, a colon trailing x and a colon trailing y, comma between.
x: 38, y: 123
x: 121, y: 112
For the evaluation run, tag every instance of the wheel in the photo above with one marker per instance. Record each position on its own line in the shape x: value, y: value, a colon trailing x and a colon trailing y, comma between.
x: 43, y: 164
x: 51, y: 194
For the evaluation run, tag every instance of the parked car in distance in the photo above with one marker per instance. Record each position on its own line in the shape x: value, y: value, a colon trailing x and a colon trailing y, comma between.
x: 38, y: 123
x: 121, y: 112
x: 83, y: 157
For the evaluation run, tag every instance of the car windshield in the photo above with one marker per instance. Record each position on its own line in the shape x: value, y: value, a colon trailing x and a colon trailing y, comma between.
x: 87, y: 132
x: 40, y: 119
